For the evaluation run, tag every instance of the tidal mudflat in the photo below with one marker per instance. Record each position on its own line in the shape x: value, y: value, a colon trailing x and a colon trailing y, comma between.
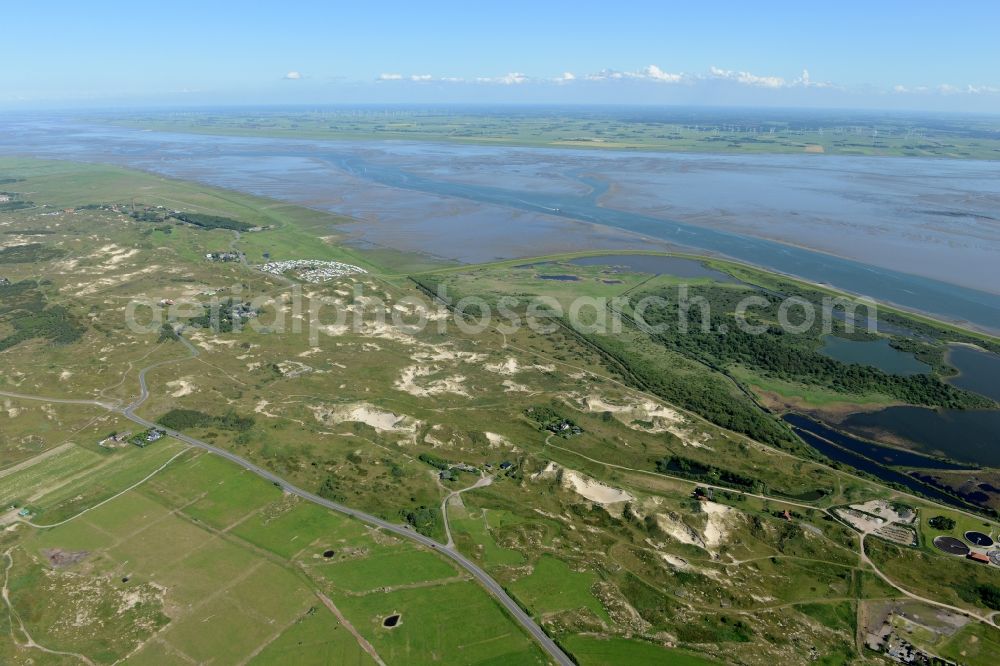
x: 918, y: 233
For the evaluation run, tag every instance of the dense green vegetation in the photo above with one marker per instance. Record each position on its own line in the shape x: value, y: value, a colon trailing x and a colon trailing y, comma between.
x: 425, y: 520
x: 714, y: 338
x: 549, y: 419
x: 212, y: 221
x: 29, y: 253
x: 9, y: 206
x: 25, y: 308
x: 223, y: 317
x: 679, y: 466
x: 987, y: 594
x: 434, y: 461
x: 942, y: 523
x: 182, y: 419
x: 703, y: 393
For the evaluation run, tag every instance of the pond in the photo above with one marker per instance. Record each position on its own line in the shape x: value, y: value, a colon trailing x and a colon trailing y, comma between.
x: 979, y: 371
x: 885, y: 455
x: 655, y: 264
x: 876, y: 353
x: 969, y: 435
x: 842, y: 455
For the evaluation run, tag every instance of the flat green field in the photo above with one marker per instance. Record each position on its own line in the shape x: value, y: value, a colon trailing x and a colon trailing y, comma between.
x: 315, y: 639
x: 974, y: 645
x: 385, y: 569
x: 450, y: 623
x: 553, y: 586
x: 155, y: 559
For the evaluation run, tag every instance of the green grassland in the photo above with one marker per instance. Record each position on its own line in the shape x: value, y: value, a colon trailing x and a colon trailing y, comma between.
x: 719, y: 131
x: 973, y: 645
x: 153, y: 545
x: 349, y: 415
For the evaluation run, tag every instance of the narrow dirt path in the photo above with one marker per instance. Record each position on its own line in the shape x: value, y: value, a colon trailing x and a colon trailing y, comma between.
x: 29, y: 642
x: 481, y: 483
x: 362, y: 641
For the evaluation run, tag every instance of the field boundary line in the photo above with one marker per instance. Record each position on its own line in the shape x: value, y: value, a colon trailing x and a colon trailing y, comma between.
x: 362, y: 641
x: 117, y: 495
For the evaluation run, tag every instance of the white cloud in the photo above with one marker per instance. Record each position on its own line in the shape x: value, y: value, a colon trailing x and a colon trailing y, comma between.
x: 656, y: 74
x: 513, y: 78
x: 747, y: 79
x: 390, y: 77
x: 649, y: 73
x: 606, y: 74
x: 982, y: 90
x: 421, y: 77
x: 293, y: 75
x: 565, y: 77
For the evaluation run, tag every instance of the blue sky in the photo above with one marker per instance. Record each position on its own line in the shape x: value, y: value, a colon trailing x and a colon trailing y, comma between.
x: 911, y: 55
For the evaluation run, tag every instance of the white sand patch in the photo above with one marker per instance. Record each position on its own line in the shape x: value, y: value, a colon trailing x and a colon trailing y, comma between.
x: 261, y: 408
x: 720, y: 518
x: 363, y: 412
x: 309, y: 352
x: 334, y: 330
x: 64, y: 375
x: 293, y: 369
x: 510, y: 386
x: 550, y: 470
x: 496, y: 440
x: 440, y: 353
x: 407, y: 382
x: 673, y: 526
x: 87, y: 288
x: 648, y: 416
x: 675, y: 562
x: 508, y: 367
x: 117, y: 257
x: 386, y: 332
x: 594, y: 490
x: 181, y: 387
x: 585, y: 486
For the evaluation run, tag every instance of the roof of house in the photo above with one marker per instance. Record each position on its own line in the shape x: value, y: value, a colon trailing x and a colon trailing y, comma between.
x: 978, y: 557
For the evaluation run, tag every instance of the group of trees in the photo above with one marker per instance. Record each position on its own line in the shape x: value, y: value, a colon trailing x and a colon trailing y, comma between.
x: 24, y: 307
x: 942, y: 523
x: 693, y: 469
x: 785, y: 355
x: 182, y: 419
x: 29, y: 253
x: 706, y: 394
x: 212, y: 221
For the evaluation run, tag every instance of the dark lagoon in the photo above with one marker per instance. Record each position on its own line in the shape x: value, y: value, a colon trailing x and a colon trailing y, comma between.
x: 884, y: 455
x: 979, y: 371
x: 876, y: 353
x: 656, y: 265
x: 858, y: 462
x: 969, y: 435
